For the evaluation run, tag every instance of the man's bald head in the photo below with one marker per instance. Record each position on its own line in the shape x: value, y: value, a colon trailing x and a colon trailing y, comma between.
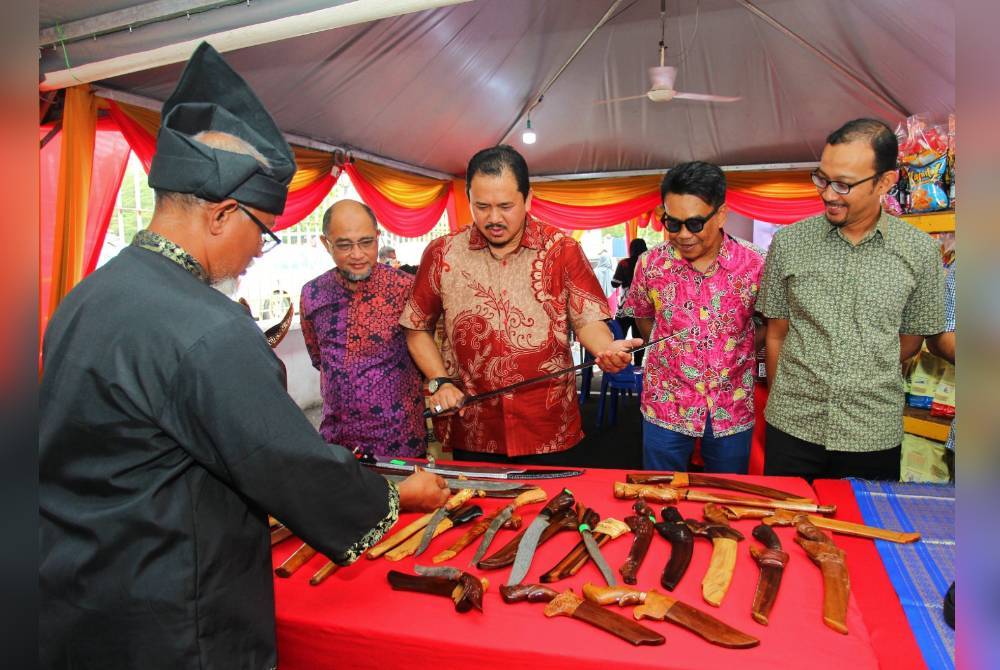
x: 350, y: 234
x: 344, y: 210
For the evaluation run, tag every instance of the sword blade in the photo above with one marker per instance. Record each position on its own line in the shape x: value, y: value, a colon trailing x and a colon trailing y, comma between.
x: 479, y: 397
x: 432, y: 525
x: 491, y: 532
x: 598, y: 558
x: 526, y: 549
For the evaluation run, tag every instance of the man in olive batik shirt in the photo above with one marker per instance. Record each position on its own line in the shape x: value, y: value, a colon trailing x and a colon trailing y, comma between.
x: 847, y: 294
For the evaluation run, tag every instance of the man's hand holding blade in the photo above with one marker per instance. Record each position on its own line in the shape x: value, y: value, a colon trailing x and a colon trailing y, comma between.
x: 422, y: 492
x: 617, y: 355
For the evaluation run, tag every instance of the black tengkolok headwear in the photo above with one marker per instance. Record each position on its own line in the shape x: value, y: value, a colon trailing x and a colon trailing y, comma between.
x: 211, y: 96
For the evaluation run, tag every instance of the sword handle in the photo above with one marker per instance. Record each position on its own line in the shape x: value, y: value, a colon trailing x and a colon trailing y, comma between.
x: 532, y: 593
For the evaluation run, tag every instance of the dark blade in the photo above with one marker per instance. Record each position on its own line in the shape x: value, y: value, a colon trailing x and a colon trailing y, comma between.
x: 425, y: 540
x: 492, y: 489
x: 616, y: 624
x: 526, y: 549
x: 491, y: 532
x: 681, y: 541
x: 598, y: 558
x: 708, y: 627
x: 535, y: 380
x: 699, y: 479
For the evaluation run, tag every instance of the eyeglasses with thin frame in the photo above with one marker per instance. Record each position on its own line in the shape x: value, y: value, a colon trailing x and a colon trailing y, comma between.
x: 270, y: 239
x: 695, y: 224
x: 840, y: 187
x: 347, y: 246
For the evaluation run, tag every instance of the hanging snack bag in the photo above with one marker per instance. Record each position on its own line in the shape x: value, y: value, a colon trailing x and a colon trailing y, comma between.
x: 927, y: 187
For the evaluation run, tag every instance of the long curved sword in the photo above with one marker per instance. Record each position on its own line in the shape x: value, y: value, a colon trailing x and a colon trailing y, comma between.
x: 534, y: 380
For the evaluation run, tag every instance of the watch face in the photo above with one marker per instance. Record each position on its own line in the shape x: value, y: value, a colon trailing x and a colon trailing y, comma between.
x: 433, y: 386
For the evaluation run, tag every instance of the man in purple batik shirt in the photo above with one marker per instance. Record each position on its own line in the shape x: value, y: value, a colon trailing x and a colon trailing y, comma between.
x: 372, y: 392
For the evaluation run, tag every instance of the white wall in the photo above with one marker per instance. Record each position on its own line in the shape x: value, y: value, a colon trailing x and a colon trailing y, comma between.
x: 303, y: 378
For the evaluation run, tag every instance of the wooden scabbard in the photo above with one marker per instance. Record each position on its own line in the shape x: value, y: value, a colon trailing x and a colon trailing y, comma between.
x: 788, y: 518
x: 279, y: 534
x: 400, y: 536
x: 669, y: 495
x: 320, y: 576
x: 571, y: 563
x: 832, y: 564
x: 300, y: 557
x: 641, y: 526
x: 682, y: 480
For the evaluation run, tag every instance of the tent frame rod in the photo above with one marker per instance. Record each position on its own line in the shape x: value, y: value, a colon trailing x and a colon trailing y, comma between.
x: 299, y: 140
x: 128, y: 17
x: 757, y: 167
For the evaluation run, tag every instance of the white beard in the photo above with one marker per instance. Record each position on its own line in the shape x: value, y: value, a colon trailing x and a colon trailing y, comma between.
x: 227, y: 286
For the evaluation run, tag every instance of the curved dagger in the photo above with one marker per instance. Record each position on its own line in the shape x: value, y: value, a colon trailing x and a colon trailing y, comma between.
x: 527, y: 498
x: 562, y: 502
x: 772, y: 561
x: 681, y: 541
x: 660, y: 607
x: 605, y: 531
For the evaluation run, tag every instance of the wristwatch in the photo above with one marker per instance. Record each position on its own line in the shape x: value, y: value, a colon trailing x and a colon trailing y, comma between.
x: 436, y: 383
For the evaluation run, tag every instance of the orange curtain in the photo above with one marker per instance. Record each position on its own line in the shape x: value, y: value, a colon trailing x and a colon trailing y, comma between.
x: 459, y: 212
x: 72, y: 192
x: 403, y: 188
x: 597, y: 192
x: 774, y: 184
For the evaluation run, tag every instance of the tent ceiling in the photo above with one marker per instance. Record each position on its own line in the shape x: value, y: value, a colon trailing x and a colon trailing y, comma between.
x: 432, y: 87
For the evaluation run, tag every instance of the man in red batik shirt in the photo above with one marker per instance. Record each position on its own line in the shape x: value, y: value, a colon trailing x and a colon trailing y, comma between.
x: 509, y: 289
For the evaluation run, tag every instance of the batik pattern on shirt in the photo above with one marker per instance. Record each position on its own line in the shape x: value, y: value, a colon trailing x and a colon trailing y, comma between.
x: 709, y: 370
x: 506, y: 321
x: 372, y: 391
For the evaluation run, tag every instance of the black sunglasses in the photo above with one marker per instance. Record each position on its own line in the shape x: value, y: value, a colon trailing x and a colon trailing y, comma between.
x: 270, y: 239
x: 695, y: 224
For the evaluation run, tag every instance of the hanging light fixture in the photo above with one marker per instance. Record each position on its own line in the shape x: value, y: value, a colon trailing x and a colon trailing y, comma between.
x: 528, y: 136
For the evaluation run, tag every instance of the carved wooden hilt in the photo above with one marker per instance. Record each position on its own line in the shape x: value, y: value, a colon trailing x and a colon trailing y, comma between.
x: 617, y: 595
x: 564, y: 604
x: 532, y: 593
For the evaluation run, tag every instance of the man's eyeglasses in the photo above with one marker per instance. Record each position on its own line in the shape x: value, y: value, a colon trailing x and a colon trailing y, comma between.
x: 841, y: 187
x: 270, y: 239
x: 346, y: 246
x: 695, y: 224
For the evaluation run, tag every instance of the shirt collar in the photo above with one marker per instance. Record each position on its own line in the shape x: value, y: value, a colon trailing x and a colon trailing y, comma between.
x: 530, y: 238
x: 877, y: 233
x: 158, y: 244
x: 725, y: 259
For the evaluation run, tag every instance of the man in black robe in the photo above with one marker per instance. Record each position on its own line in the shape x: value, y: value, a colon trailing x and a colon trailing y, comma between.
x: 166, y: 435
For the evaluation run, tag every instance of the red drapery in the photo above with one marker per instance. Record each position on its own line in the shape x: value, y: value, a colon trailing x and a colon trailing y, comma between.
x: 110, y: 159
x: 773, y: 210
x: 396, y: 218
x: 572, y: 217
x: 301, y: 203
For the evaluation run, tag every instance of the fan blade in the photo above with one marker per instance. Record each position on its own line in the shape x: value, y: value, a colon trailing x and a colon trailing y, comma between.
x: 631, y: 97
x: 704, y: 97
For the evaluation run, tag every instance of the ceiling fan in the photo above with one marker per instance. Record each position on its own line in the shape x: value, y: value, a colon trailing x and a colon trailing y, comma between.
x: 662, y: 78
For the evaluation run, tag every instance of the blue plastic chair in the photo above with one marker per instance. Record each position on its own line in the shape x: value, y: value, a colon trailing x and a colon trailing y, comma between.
x: 615, y: 383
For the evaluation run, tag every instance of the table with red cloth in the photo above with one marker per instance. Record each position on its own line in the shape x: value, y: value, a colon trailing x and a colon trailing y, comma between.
x: 355, y: 620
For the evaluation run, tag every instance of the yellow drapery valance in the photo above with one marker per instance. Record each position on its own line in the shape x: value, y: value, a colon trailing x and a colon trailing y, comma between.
x: 403, y: 188
x: 596, y: 192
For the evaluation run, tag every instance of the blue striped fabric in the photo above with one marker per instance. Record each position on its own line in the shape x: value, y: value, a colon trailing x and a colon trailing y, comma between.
x: 920, y: 572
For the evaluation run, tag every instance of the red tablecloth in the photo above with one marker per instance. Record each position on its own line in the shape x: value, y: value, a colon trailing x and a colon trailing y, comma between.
x: 355, y: 620
x: 895, y: 646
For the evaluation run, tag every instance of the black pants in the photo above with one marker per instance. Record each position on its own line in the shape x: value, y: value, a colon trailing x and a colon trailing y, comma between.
x: 569, y: 457
x: 787, y: 455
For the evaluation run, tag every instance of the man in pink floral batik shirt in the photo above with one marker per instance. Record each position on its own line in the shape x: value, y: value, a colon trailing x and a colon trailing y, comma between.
x: 705, y: 282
